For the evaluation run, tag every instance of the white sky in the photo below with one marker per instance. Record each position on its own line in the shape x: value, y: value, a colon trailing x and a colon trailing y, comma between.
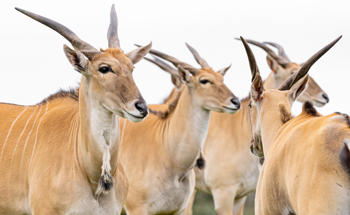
x: 33, y: 64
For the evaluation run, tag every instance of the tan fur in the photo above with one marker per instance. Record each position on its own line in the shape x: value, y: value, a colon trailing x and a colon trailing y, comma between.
x: 302, y: 172
x: 50, y: 160
x: 231, y: 170
x: 305, y: 161
x: 279, y: 74
x: 159, y: 153
x: 60, y: 156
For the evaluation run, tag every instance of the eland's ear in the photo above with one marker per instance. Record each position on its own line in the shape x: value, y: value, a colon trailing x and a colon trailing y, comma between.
x: 185, y: 75
x: 298, y: 88
x: 136, y: 55
x: 176, y: 80
x: 77, y: 59
x: 257, y: 88
x: 273, y: 64
x: 224, y: 70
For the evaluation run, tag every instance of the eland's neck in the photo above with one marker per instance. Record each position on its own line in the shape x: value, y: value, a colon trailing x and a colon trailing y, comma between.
x: 98, y: 136
x: 187, y: 131
x: 269, y: 125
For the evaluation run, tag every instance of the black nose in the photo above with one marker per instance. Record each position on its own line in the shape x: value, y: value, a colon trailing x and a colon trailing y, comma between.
x: 142, y: 107
x: 236, y: 102
x: 325, y: 96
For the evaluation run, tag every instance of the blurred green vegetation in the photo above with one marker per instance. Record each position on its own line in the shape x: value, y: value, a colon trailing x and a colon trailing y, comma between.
x: 204, y: 205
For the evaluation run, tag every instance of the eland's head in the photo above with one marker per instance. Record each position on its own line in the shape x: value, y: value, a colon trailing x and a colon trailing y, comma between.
x: 282, y: 68
x: 107, y: 74
x: 206, y: 84
x: 273, y: 106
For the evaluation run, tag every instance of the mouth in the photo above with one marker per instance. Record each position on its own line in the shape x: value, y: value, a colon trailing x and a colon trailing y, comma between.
x: 319, y: 103
x: 134, y: 116
x: 230, y: 109
x: 125, y: 114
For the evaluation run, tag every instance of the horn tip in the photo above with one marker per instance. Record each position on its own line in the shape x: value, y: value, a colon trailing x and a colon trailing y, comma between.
x: 188, y: 46
x: 243, y: 40
x: 20, y: 10
x: 113, y: 8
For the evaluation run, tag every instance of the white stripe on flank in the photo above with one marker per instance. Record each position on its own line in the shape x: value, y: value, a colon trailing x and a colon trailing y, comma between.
x: 37, y: 131
x: 10, y: 130
x: 20, y: 136
x: 28, y: 135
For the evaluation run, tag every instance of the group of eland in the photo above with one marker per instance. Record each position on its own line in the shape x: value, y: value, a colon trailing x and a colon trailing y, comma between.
x: 100, y: 149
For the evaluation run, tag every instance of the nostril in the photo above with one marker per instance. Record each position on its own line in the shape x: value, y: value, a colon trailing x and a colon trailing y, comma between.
x: 325, y: 96
x: 236, y: 102
x: 142, y: 107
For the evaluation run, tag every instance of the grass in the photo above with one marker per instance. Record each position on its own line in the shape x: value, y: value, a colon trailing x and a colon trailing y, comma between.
x: 204, y: 205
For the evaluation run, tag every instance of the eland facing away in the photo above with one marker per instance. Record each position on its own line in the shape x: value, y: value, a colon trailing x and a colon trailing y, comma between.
x: 282, y: 68
x: 159, y: 154
x: 306, y: 167
x: 60, y: 156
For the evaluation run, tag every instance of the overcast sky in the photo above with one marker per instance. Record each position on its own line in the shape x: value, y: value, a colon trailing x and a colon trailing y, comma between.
x: 33, y: 64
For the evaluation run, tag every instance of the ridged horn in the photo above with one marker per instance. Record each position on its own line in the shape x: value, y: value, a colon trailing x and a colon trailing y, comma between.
x: 306, y: 66
x: 112, y: 35
x: 85, y: 48
x: 197, y: 57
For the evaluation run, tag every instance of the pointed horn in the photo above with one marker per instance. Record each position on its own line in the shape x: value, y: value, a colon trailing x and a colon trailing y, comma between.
x: 172, y: 60
x: 306, y: 66
x: 269, y: 51
x: 280, y: 49
x: 252, y: 63
x: 112, y: 35
x: 163, y: 65
x: 198, y: 58
x: 85, y: 48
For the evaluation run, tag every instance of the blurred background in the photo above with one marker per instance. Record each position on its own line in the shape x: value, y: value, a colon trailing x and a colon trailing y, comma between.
x: 204, y: 205
x: 33, y: 64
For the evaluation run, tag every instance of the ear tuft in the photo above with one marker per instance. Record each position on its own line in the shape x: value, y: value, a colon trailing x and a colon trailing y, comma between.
x: 136, y: 55
x: 184, y: 74
x: 176, y: 81
x: 272, y: 63
x: 257, y: 88
x: 76, y: 58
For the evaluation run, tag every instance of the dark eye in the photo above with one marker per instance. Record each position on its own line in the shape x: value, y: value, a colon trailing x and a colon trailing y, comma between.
x: 104, y: 69
x: 204, y: 81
